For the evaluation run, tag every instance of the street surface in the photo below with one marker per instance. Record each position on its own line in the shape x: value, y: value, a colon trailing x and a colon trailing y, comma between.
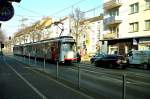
x: 38, y: 80
x: 19, y: 82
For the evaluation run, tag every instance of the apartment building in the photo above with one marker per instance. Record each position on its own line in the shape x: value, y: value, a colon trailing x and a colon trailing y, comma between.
x: 126, y: 25
x: 36, y: 32
x: 91, y: 33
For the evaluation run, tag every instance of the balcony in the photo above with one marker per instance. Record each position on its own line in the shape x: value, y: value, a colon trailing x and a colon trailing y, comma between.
x: 110, y: 36
x: 112, y: 20
x: 112, y: 4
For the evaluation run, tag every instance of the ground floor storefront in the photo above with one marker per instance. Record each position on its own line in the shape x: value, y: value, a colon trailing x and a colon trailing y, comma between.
x: 124, y: 45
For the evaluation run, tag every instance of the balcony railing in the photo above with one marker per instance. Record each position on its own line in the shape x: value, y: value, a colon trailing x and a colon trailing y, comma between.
x: 110, y: 36
x: 112, y: 20
x: 112, y: 4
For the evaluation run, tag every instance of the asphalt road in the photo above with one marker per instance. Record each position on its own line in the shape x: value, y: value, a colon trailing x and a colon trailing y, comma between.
x: 105, y: 83
x: 108, y: 84
x: 19, y: 82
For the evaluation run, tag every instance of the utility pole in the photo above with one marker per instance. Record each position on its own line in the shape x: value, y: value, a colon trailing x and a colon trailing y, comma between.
x: 22, y: 21
x: 22, y: 26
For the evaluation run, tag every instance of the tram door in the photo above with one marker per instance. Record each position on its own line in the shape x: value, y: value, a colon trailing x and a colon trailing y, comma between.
x: 53, y: 54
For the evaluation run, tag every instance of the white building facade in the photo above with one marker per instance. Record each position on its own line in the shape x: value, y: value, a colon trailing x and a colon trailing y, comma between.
x: 91, y: 33
x: 127, y: 25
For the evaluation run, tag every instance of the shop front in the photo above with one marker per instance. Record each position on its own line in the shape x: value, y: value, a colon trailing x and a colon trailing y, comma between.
x: 144, y: 43
x: 121, y: 46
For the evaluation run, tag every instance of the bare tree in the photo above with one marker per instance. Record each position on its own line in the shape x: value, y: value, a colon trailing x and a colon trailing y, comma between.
x: 76, y: 16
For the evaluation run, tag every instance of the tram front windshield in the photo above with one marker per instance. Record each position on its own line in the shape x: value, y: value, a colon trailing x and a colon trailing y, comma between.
x: 68, y: 46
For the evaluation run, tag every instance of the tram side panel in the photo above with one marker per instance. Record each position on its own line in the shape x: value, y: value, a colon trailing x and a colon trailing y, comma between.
x: 34, y: 51
x: 62, y: 49
x: 39, y: 51
x: 46, y: 51
x: 54, y: 55
x: 15, y: 50
x: 18, y: 50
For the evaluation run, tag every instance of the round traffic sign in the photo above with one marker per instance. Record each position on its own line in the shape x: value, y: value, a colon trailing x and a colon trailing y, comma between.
x: 6, y: 11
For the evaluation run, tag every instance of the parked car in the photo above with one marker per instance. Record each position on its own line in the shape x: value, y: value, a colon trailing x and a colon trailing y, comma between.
x: 139, y: 58
x: 96, y: 56
x: 111, y: 61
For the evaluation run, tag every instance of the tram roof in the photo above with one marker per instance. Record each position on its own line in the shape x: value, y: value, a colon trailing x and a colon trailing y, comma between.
x: 45, y: 41
x: 61, y: 37
x: 55, y: 39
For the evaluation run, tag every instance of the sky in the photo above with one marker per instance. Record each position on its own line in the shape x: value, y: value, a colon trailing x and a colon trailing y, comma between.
x: 34, y: 10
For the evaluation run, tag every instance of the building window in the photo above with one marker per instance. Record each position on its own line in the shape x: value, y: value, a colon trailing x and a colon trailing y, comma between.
x: 147, y: 4
x: 114, y: 29
x: 134, y: 27
x: 114, y: 12
x: 134, y: 8
x: 147, y: 24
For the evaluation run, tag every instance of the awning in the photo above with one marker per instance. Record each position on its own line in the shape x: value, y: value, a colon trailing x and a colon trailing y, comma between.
x: 127, y: 38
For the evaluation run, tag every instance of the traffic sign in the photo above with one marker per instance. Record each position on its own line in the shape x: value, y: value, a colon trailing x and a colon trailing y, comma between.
x: 6, y: 11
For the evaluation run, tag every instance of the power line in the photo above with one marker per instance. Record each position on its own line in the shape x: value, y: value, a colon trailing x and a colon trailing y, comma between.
x: 34, y: 12
x: 97, y: 7
x: 62, y: 10
x: 26, y: 16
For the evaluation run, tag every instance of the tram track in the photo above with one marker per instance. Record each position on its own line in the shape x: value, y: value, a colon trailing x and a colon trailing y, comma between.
x: 131, y: 74
x: 91, y: 67
x: 131, y: 71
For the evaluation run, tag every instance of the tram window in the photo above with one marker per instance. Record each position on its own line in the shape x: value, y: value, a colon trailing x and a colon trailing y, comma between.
x: 68, y: 46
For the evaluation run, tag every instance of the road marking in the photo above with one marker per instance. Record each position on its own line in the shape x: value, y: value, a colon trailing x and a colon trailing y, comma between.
x: 28, y: 83
x: 76, y: 91
x: 138, y: 82
x: 117, y: 80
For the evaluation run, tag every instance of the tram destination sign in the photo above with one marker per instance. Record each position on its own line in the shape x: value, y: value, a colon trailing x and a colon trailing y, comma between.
x: 68, y: 40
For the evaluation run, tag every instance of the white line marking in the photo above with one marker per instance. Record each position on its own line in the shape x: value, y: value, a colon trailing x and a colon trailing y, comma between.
x: 28, y: 83
x: 76, y: 91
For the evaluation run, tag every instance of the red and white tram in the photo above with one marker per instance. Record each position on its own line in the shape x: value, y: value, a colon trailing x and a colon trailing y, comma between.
x: 60, y: 48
